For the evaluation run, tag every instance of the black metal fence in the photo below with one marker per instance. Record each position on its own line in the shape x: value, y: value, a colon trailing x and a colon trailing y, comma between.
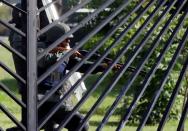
x: 143, y: 16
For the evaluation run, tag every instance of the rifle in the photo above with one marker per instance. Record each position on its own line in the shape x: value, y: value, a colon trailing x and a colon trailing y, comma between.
x: 109, y: 60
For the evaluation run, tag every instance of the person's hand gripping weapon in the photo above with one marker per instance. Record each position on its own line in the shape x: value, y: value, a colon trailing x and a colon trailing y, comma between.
x: 64, y: 47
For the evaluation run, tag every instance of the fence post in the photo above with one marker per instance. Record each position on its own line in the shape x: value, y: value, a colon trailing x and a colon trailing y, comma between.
x: 31, y: 66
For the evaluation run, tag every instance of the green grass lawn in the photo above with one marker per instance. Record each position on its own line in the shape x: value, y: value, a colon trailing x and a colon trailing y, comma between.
x: 5, y: 122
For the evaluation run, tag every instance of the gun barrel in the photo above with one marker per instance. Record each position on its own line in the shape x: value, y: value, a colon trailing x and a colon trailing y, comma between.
x: 110, y: 60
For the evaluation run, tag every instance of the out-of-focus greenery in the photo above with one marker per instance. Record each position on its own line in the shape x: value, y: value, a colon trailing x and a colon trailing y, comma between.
x: 154, y: 84
x: 142, y: 105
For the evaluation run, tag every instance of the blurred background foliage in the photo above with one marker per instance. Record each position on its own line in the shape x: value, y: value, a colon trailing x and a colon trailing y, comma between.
x: 154, y: 84
x: 156, y: 115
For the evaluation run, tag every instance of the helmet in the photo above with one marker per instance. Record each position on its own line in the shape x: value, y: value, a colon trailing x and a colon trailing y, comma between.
x: 56, y: 32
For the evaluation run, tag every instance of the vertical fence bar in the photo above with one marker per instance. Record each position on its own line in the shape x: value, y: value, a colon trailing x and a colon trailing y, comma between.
x: 31, y: 66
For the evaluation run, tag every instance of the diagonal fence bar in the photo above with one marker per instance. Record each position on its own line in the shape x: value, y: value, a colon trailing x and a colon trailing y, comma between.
x: 137, y: 71
x: 91, y: 88
x: 183, y: 117
x: 152, y: 71
x: 46, y: 6
x: 111, y: 32
x: 81, y: 24
x: 164, y: 79
x: 86, y: 73
x: 173, y: 97
x: 102, y: 56
x: 15, y: 75
x: 6, y: 90
x: 125, y: 66
x: 12, y: 28
x: 13, y: 7
x: 67, y: 14
x: 12, y: 117
x: 51, y: 92
x: 158, y: 10
x: 12, y: 50
x: 83, y: 41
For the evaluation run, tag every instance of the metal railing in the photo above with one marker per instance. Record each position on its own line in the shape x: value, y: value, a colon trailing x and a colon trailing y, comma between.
x: 159, y: 14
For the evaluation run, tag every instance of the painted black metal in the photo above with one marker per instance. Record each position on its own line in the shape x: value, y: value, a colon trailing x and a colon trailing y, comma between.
x: 82, y: 42
x: 32, y: 118
x: 173, y: 96
x: 16, y: 76
x: 148, y: 77
x: 5, y: 23
x: 63, y: 17
x: 135, y: 74
x: 47, y: 5
x: 86, y: 74
x: 11, y: 72
x: 19, y: 124
x: 81, y: 24
x: 8, y: 91
x: 102, y: 56
x: 164, y: 79
x: 89, y: 71
x: 67, y: 14
x: 31, y: 35
x: 183, y: 117
x: 87, y: 56
x: 12, y: 50
x: 124, y: 68
x: 129, y: 82
x: 13, y: 7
